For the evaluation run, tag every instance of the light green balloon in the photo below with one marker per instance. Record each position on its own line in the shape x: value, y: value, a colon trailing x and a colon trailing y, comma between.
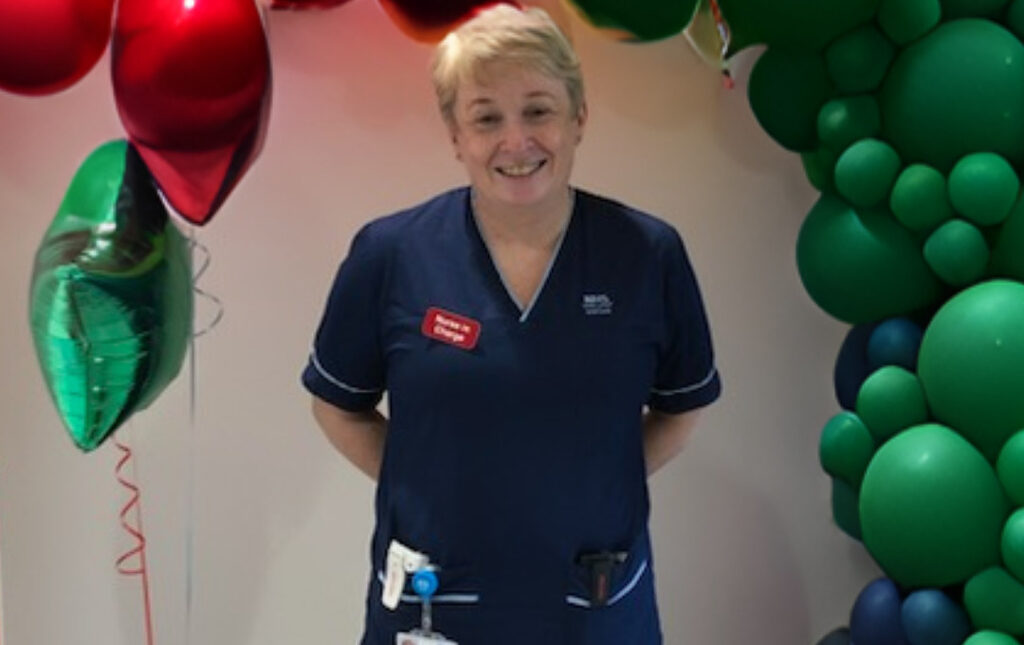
x: 846, y: 120
x: 786, y: 92
x: 846, y: 448
x: 904, y: 21
x: 919, y: 198
x: 845, y: 511
x: 862, y: 266
x: 866, y: 172
x: 1008, y: 248
x: 983, y: 187
x: 931, y: 508
x: 1010, y: 468
x: 995, y: 600
x: 857, y: 61
x: 971, y: 363
x: 957, y: 252
x: 1013, y: 544
x: 890, y: 400
x: 989, y: 637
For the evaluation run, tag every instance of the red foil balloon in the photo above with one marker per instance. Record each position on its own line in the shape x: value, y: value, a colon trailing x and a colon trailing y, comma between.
x: 47, y: 45
x: 192, y: 86
x: 429, y: 22
x: 305, y: 4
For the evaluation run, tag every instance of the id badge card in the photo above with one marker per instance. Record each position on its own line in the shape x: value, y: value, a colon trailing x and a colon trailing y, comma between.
x: 410, y: 638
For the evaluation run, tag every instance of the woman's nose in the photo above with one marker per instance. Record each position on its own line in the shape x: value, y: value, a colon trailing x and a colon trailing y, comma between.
x: 515, y: 136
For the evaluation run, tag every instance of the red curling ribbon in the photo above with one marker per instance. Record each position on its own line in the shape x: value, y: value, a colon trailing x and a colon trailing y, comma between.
x: 134, y: 502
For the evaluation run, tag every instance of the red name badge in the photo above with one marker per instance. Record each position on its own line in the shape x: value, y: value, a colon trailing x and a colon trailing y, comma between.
x: 450, y: 328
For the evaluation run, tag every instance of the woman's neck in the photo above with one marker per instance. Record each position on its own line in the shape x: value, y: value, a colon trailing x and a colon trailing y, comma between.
x: 538, y: 225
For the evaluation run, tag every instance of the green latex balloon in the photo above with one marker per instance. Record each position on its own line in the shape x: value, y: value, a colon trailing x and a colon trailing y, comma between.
x: 1008, y: 247
x: 1013, y: 544
x: 989, y: 637
x: 846, y: 448
x: 890, y: 400
x: 971, y: 363
x: 995, y: 600
x: 642, y: 20
x: 803, y: 25
x: 820, y: 166
x: 1015, y: 18
x: 957, y: 252
x: 866, y: 172
x: 1010, y: 468
x: 983, y: 187
x: 844, y: 121
x: 857, y: 61
x: 958, y: 90
x: 111, y: 296
x: 919, y: 199
x: 786, y: 92
x: 845, y: 512
x: 971, y: 8
x: 931, y: 508
x: 904, y: 21
x: 862, y: 266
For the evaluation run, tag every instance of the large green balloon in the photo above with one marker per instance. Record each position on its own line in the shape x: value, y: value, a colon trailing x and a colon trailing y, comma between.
x: 1010, y: 468
x: 793, y: 24
x: 958, y: 90
x: 971, y: 363
x: 957, y: 252
x: 995, y: 600
x: 846, y: 448
x: 786, y: 92
x: 891, y: 400
x: 111, y: 296
x: 989, y: 637
x: 931, y: 508
x: 904, y: 21
x: 644, y: 20
x: 862, y: 266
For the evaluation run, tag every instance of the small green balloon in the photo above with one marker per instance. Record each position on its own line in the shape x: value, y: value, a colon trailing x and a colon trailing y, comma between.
x: 931, y: 508
x: 1013, y: 544
x: 956, y: 91
x: 845, y: 511
x: 846, y: 448
x: 866, y: 172
x: 644, y: 20
x: 983, y: 187
x: 857, y: 61
x: 919, y: 199
x: 786, y: 92
x: 957, y: 252
x: 890, y: 400
x: 989, y: 637
x: 971, y: 363
x: 971, y: 8
x: 1010, y: 468
x: 820, y: 166
x: 1008, y: 247
x: 862, y: 266
x: 797, y: 25
x: 844, y: 121
x: 904, y: 21
x: 995, y: 600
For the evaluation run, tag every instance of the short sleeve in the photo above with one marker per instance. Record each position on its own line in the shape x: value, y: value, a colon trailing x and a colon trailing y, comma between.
x: 346, y: 366
x: 686, y: 376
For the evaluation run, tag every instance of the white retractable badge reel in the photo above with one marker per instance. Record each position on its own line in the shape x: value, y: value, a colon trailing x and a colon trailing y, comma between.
x: 424, y: 583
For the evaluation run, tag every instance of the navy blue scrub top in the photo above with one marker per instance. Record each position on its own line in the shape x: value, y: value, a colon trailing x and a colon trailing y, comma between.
x: 506, y: 462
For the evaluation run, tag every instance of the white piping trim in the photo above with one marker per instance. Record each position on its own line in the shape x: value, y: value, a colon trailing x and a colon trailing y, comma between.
x: 633, y: 582
x: 333, y: 380
x: 689, y: 388
x: 453, y: 598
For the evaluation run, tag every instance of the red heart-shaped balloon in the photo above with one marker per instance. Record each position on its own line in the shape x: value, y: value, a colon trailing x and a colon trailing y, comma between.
x: 47, y: 45
x: 429, y: 22
x: 192, y: 86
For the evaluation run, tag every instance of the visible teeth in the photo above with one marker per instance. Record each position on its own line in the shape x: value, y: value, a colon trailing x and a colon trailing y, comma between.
x: 520, y: 170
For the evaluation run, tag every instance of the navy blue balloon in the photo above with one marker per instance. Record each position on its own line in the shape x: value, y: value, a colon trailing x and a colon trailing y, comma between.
x: 930, y: 617
x: 895, y: 342
x: 840, y: 636
x: 852, y: 365
x: 876, y: 618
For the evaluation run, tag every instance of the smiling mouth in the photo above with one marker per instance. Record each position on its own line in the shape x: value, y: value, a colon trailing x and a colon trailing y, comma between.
x: 521, y: 170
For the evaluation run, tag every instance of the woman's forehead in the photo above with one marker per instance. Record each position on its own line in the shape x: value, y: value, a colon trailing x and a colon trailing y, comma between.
x: 494, y: 77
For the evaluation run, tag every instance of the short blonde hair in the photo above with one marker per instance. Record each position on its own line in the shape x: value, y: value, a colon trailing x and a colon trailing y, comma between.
x: 504, y: 33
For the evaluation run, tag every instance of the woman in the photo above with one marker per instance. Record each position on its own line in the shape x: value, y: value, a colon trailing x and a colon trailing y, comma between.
x: 544, y: 349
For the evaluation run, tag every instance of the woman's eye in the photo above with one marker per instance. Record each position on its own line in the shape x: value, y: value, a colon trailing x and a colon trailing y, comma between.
x: 487, y: 119
x: 537, y: 112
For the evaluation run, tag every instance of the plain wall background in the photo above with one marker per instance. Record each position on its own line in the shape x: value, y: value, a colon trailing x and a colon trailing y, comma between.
x: 746, y: 550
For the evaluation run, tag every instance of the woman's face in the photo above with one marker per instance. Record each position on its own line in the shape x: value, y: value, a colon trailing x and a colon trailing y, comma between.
x: 516, y: 132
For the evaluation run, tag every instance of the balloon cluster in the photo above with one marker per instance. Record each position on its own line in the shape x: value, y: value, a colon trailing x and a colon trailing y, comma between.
x: 909, y: 117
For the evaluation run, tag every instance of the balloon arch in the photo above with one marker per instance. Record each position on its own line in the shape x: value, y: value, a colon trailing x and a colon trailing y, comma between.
x: 908, y: 116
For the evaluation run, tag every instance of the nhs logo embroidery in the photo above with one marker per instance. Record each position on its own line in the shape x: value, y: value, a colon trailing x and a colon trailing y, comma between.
x: 597, y: 304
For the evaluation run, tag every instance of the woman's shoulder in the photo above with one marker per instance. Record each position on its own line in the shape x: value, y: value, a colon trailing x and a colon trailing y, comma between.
x: 618, y: 219
x: 412, y: 222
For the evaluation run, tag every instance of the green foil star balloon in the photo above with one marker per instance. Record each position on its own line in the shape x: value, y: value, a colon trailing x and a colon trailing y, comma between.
x: 111, y: 296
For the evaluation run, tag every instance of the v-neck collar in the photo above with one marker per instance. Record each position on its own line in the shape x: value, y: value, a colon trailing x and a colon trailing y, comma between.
x: 524, y: 312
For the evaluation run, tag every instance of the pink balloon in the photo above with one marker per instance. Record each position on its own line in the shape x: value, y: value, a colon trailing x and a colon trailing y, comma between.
x: 47, y: 45
x: 192, y: 86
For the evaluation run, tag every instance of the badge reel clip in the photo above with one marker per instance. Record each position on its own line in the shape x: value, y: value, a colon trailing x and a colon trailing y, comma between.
x: 403, y: 560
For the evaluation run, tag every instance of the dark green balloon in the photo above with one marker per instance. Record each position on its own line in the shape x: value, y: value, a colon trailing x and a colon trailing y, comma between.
x: 786, y: 92
x: 957, y: 252
x: 857, y: 61
x: 958, y: 90
x: 866, y: 172
x: 802, y: 25
x: 820, y: 166
x: 890, y: 400
x: 846, y: 120
x: 904, y: 21
x: 995, y: 600
x: 1010, y: 468
x: 111, y: 296
x: 971, y: 363
x: 971, y: 8
x: 1013, y: 544
x: 845, y: 511
x: 1008, y: 248
x: 862, y: 266
x: 931, y: 508
x: 983, y: 187
x: 846, y: 447
x: 644, y: 20
x: 1015, y: 18
x: 919, y: 198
